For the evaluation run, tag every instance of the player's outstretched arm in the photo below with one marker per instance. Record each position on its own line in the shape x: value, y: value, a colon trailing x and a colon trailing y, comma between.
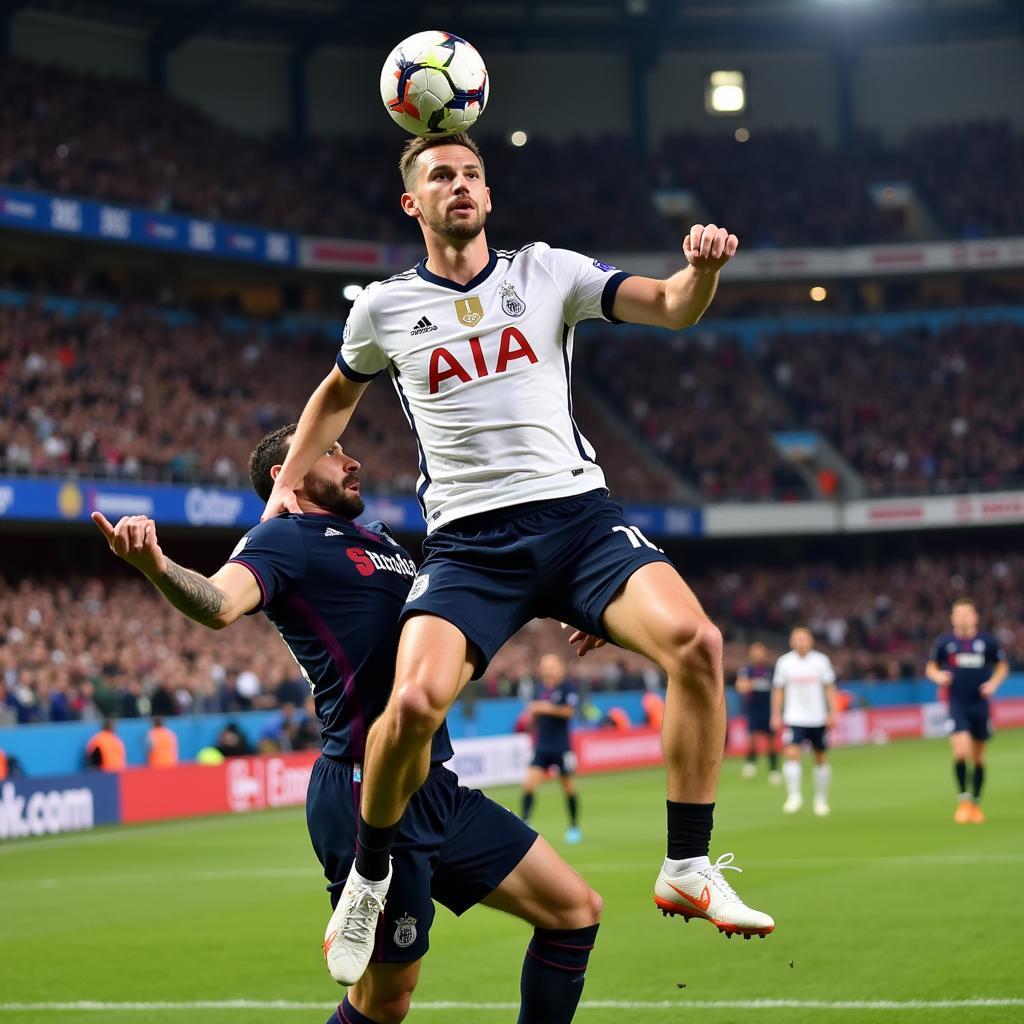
x: 681, y: 300
x: 214, y: 602
x: 322, y: 422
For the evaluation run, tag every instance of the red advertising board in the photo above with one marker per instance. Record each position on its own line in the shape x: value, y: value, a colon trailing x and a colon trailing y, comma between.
x: 239, y: 784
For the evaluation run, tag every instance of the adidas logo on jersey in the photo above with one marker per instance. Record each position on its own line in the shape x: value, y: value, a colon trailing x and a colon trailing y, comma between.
x: 422, y: 326
x: 332, y: 532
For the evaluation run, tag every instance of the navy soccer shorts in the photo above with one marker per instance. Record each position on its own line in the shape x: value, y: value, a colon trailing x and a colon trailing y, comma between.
x: 972, y: 718
x: 564, y: 559
x: 759, y: 712
x: 812, y: 734
x: 564, y: 761
x: 455, y: 846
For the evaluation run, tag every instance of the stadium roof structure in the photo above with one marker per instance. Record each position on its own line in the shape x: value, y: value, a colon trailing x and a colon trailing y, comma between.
x: 644, y: 26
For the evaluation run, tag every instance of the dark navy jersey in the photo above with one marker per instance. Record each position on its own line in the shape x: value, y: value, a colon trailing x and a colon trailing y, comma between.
x: 553, y: 730
x: 970, y: 659
x: 760, y: 679
x: 334, y: 589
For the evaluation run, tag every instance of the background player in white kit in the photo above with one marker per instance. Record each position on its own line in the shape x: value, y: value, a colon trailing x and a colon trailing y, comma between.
x: 804, y: 700
x: 478, y: 343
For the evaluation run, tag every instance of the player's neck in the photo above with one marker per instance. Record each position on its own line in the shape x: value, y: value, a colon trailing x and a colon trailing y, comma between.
x: 458, y: 262
x: 965, y: 634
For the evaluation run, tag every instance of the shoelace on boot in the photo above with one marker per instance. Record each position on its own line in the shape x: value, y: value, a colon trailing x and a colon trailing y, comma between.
x: 361, y: 919
x: 713, y: 874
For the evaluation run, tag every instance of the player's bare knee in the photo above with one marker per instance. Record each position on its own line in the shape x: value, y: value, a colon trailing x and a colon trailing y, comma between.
x: 700, y: 651
x: 418, y: 714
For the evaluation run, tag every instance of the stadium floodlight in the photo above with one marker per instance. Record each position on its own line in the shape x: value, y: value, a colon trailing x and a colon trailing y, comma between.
x: 518, y: 138
x: 725, y: 93
x: 351, y: 292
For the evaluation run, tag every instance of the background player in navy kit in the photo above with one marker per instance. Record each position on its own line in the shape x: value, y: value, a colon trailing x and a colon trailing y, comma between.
x: 754, y: 683
x: 969, y: 667
x: 519, y: 521
x: 552, y: 714
x: 335, y: 590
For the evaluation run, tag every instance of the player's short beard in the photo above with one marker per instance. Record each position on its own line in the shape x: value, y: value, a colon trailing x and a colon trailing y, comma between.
x: 456, y: 229
x: 332, y: 496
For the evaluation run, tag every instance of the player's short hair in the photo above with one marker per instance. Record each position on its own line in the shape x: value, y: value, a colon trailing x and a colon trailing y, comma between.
x: 962, y: 602
x: 271, y: 451
x: 415, y: 148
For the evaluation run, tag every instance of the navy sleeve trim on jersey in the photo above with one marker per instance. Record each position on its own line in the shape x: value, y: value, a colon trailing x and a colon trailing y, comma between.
x: 611, y: 289
x: 259, y: 581
x: 359, y: 378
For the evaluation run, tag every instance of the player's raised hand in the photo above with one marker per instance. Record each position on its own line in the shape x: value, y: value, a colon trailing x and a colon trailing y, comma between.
x: 133, y: 539
x: 708, y: 248
x: 282, y: 499
x: 587, y: 641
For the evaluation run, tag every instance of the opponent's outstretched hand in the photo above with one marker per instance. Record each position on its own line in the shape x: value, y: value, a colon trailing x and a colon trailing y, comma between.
x: 708, y: 247
x: 587, y: 641
x: 282, y: 499
x: 134, y: 539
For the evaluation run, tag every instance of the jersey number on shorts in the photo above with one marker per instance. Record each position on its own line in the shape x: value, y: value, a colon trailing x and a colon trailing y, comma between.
x: 636, y: 538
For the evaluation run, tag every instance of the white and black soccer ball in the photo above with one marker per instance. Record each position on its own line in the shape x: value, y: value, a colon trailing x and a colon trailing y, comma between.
x: 434, y: 84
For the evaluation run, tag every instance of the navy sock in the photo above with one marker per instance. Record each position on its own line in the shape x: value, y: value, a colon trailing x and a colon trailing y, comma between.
x: 573, y: 803
x: 689, y: 829
x: 348, y: 1014
x: 752, y: 755
x: 373, y: 851
x: 978, y: 781
x: 553, y: 974
x: 773, y: 761
x: 527, y: 806
x: 960, y: 767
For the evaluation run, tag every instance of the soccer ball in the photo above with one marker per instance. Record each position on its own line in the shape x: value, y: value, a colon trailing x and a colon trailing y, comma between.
x: 434, y: 84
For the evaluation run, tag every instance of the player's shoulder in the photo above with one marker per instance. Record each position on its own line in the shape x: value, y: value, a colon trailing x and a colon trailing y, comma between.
x: 279, y: 532
x: 383, y: 533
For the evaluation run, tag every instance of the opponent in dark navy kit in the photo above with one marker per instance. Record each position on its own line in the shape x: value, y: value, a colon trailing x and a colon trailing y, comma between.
x: 969, y: 667
x: 551, y: 714
x: 754, y: 684
x: 335, y: 589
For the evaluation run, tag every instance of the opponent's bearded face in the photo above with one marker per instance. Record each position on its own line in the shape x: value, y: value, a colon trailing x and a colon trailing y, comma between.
x: 450, y: 194
x: 333, y: 484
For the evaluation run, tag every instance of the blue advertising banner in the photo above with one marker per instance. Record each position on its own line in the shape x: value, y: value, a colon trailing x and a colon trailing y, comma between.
x: 55, y: 804
x: 201, y: 505
x: 173, y: 232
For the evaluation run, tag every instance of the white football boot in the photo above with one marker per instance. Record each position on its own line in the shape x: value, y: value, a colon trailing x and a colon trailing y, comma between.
x: 352, y: 929
x: 793, y: 803
x: 703, y: 892
x: 749, y: 770
x: 821, y: 807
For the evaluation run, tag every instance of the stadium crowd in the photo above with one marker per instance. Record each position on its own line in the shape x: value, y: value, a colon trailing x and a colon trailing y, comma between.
x: 81, y: 647
x: 83, y: 134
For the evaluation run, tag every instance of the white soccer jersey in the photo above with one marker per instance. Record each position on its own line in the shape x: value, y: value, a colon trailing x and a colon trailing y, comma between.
x: 804, y: 680
x: 483, y: 374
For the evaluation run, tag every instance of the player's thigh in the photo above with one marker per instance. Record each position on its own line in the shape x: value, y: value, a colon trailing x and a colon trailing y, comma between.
x: 534, y: 777
x: 435, y: 658
x: 384, y: 992
x: 545, y: 891
x: 655, y: 613
x: 961, y: 743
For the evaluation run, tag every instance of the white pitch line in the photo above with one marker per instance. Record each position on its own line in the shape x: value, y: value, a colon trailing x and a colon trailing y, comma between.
x: 594, y: 1004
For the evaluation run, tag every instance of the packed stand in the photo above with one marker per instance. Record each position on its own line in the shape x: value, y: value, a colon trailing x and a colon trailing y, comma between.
x: 702, y: 405
x: 915, y: 412
x: 83, y: 134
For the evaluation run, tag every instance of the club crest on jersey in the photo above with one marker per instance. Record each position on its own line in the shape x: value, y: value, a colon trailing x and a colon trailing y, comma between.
x: 511, y: 304
x: 469, y: 312
x: 419, y: 586
x: 405, y: 931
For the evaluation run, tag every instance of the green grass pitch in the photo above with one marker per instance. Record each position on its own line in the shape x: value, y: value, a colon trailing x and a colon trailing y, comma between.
x: 885, y: 900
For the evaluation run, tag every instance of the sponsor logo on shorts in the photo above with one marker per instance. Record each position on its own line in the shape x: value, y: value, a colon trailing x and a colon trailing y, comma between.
x: 405, y: 931
x: 419, y: 586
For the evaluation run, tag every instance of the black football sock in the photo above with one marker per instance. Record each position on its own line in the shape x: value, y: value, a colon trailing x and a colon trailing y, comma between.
x: 960, y: 767
x: 554, y: 970
x: 527, y: 806
x: 348, y: 1014
x: 751, y: 754
x: 689, y: 829
x: 373, y: 851
x: 573, y: 803
x: 978, y: 781
x: 773, y: 760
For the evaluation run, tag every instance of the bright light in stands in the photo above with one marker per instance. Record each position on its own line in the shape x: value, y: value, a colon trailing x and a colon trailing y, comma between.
x: 518, y: 138
x: 725, y: 92
x: 741, y: 135
x: 351, y: 292
x: 818, y: 293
